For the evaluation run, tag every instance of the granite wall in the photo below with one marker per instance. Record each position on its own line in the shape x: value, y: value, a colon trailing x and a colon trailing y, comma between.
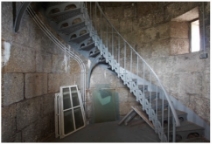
x: 33, y: 69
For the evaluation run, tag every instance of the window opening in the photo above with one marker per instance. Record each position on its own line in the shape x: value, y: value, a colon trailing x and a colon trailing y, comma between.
x: 195, y: 36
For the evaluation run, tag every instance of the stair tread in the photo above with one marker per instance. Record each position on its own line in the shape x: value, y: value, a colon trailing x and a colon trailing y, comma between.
x: 61, y: 16
x: 88, y: 47
x: 150, y: 92
x: 186, y: 126
x: 178, y: 112
x: 95, y: 52
x: 159, y: 102
x: 72, y: 28
x: 80, y: 38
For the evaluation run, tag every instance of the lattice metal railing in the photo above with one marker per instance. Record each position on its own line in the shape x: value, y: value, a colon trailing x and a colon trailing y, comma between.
x: 130, y: 66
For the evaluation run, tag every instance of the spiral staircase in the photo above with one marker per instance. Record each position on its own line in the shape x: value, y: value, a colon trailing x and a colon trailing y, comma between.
x: 85, y: 28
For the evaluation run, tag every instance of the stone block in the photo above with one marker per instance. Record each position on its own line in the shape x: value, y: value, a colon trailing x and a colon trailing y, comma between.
x: 162, y: 31
x: 36, y: 33
x: 151, y: 34
x: 143, y: 8
x: 43, y: 63
x: 159, y: 17
x: 114, y: 12
x: 145, y: 50
x: 161, y: 48
x: 55, y: 81
x: 123, y: 94
x: 190, y: 84
x: 124, y: 108
x: 18, y: 137
x: 206, y: 85
x: 13, y: 85
x: 39, y: 130
x: 20, y: 59
x: 125, y: 26
x: 32, y: 133
x: 35, y: 84
x: 131, y: 98
x: 146, y: 21
x: 115, y: 23
x: 74, y: 67
x: 207, y: 38
x: 48, y: 126
x: 200, y: 106
x: 179, y: 46
x: 28, y: 112
x: 7, y: 21
x: 8, y: 129
x: 179, y: 29
x: 88, y: 96
x: 171, y: 83
x: 60, y: 64
x: 47, y: 104
x: 88, y: 110
x: 22, y: 36
x: 135, y: 26
x: 178, y: 8
x: 119, y: 83
x: 128, y: 12
x: 189, y: 63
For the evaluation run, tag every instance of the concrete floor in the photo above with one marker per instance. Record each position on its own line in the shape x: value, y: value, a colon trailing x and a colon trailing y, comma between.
x: 137, y: 131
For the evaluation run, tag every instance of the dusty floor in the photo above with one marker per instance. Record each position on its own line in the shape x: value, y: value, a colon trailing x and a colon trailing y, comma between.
x: 112, y: 132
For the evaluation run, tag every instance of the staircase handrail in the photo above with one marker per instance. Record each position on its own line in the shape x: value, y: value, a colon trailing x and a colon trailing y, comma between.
x: 152, y: 71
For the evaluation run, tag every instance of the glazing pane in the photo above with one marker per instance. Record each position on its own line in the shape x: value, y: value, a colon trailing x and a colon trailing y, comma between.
x: 66, y: 99
x: 75, y: 97
x: 68, y: 121
x: 78, y: 117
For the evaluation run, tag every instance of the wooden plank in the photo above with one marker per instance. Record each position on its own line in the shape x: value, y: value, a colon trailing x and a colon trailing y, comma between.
x: 143, y: 116
x: 130, y: 117
x: 125, y: 117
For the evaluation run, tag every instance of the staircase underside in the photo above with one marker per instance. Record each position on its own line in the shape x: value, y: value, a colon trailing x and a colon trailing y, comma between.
x: 73, y: 29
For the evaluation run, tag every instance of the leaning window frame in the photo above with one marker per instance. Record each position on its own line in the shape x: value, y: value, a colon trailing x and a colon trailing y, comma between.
x: 59, y: 112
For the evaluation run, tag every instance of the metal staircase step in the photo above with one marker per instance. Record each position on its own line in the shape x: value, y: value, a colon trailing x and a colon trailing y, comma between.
x: 185, y: 130
x: 157, y: 104
x: 61, y: 16
x: 135, y: 80
x: 150, y: 95
x: 181, y: 115
x: 63, y: 23
x: 88, y: 47
x: 72, y: 28
x: 101, y: 59
x: 143, y: 87
x: 188, y: 126
x: 94, y: 52
x: 80, y: 38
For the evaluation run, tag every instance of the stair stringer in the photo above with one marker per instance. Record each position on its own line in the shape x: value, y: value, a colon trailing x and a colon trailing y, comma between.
x: 127, y: 80
x: 122, y: 73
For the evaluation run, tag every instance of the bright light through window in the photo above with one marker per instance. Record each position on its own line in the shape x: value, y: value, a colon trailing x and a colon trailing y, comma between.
x: 195, y: 36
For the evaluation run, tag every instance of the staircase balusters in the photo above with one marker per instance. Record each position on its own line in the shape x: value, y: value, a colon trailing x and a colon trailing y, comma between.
x: 168, y: 121
x: 137, y: 62
x: 162, y: 110
x: 173, y: 130
x: 119, y: 49
x: 127, y: 57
